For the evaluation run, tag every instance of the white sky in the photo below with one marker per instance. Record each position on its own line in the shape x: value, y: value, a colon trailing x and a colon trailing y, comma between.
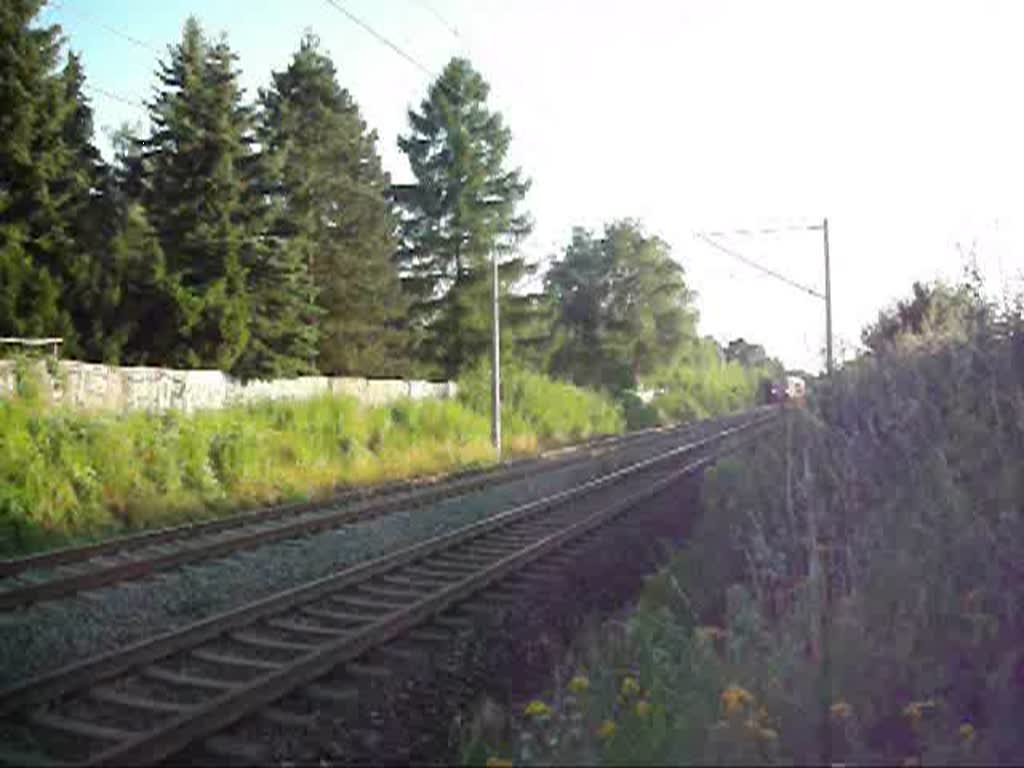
x: 900, y: 121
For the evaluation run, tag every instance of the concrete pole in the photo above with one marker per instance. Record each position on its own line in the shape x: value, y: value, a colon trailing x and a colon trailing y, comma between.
x: 828, y: 304
x: 496, y: 364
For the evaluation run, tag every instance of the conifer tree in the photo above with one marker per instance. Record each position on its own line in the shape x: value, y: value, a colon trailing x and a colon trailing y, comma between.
x: 331, y: 220
x: 196, y: 161
x: 49, y: 173
x: 462, y: 210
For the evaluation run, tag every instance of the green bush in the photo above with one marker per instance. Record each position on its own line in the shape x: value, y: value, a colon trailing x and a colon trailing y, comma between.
x: 853, y: 591
x: 66, y: 475
x: 533, y: 404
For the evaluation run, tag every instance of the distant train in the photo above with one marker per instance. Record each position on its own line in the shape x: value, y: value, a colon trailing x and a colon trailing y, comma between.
x: 789, y: 389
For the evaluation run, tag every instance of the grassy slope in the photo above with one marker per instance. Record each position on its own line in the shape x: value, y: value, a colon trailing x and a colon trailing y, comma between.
x: 65, y: 475
x: 910, y: 464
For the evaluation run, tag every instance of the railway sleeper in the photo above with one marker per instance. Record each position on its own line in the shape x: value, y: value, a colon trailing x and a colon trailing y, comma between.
x: 409, y: 584
x: 235, y: 751
x: 305, y: 629
x: 405, y: 652
x: 232, y: 662
x: 428, y: 634
x: 18, y: 758
x: 288, y: 718
x: 262, y: 641
x: 435, y: 572
x: 73, y: 736
x: 188, y: 681
x: 349, y: 619
x: 373, y: 608
x: 386, y: 592
x: 343, y: 694
x: 118, y: 712
x: 365, y: 670
x: 490, y: 551
x: 108, y: 695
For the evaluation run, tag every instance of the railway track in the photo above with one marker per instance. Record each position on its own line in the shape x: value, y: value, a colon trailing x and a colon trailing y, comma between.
x: 55, y: 574
x: 288, y: 658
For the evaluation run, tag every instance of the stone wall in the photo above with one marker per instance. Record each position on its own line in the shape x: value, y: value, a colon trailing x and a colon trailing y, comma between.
x: 91, y: 386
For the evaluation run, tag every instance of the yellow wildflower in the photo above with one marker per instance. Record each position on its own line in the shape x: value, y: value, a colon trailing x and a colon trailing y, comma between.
x: 579, y: 684
x: 966, y: 732
x: 709, y: 634
x: 630, y: 686
x: 734, y: 698
x: 643, y: 708
x: 915, y: 710
x: 498, y: 762
x: 537, y: 708
x: 840, y: 710
x: 606, y: 729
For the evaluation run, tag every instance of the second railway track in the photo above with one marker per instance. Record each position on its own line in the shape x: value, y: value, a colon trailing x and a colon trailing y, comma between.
x: 55, y: 574
x: 283, y: 657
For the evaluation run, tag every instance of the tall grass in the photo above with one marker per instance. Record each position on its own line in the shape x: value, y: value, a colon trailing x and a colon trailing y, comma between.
x: 66, y: 475
x: 853, y: 592
x: 535, y: 406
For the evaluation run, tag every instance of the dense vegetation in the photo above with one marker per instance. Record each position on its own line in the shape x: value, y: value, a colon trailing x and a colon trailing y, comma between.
x: 67, y: 475
x: 853, y: 591
x: 264, y: 237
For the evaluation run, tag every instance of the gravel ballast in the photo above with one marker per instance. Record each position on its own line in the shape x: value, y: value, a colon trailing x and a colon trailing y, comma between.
x: 48, y: 635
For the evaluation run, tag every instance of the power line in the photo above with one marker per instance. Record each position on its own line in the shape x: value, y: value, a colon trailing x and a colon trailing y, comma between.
x: 380, y: 38
x: 111, y: 29
x: 114, y: 96
x: 441, y: 19
x: 768, y: 230
x: 758, y: 267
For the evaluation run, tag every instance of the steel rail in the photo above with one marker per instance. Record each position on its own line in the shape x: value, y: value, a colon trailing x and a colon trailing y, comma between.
x: 82, y: 674
x: 79, y: 552
x: 221, y: 711
x: 216, y: 546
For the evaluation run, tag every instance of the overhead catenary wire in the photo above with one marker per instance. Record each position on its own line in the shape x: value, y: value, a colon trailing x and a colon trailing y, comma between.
x: 759, y: 267
x: 63, y: 6
x: 767, y: 230
x: 114, y: 96
x: 338, y: 6
x: 379, y: 37
x: 440, y: 18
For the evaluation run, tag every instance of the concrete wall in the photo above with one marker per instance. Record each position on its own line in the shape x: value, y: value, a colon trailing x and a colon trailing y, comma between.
x: 91, y: 386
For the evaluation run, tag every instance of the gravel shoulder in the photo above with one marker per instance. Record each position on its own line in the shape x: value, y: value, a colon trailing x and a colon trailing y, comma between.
x: 46, y: 636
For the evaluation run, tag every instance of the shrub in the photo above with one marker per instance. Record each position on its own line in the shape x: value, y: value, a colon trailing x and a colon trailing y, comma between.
x: 859, y: 577
x: 66, y: 475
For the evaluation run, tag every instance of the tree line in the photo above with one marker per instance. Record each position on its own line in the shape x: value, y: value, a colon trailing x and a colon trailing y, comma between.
x: 265, y: 238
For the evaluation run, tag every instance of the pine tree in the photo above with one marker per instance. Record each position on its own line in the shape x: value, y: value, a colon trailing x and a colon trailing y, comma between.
x: 84, y: 196
x: 461, y: 212
x: 196, y: 162
x: 49, y: 172
x: 331, y: 219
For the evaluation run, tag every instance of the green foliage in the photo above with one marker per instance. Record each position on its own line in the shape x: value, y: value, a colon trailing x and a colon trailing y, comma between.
x: 72, y: 475
x: 50, y: 180
x: 197, y: 164
x: 936, y: 312
x: 461, y: 211
x: 624, y: 309
x: 701, y: 383
x: 900, y: 639
x: 330, y: 217
x: 533, y: 404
